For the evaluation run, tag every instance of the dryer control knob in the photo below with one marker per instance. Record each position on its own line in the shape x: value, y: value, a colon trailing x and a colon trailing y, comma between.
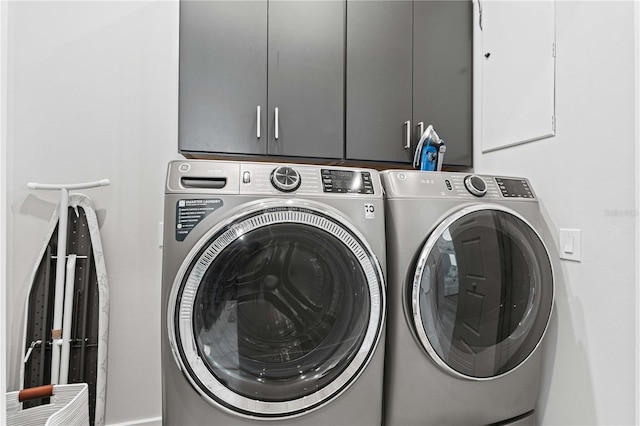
x: 475, y: 185
x: 285, y: 178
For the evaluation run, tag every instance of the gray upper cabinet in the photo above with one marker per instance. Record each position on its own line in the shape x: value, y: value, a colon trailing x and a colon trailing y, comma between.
x: 262, y: 77
x: 379, y: 72
x: 267, y: 77
x: 442, y: 74
x: 408, y: 62
x: 223, y: 76
x: 306, y: 78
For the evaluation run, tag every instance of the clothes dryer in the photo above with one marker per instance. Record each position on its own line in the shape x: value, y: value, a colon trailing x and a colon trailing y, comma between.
x: 273, y: 294
x: 470, y: 296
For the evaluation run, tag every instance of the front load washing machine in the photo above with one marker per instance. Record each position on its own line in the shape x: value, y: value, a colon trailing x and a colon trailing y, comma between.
x: 273, y: 294
x: 470, y: 296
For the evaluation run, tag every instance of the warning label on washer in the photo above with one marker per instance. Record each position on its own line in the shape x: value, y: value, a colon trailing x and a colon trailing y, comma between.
x: 189, y: 213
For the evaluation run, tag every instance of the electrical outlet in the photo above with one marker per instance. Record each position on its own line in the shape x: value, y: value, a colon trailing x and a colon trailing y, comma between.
x: 570, y: 244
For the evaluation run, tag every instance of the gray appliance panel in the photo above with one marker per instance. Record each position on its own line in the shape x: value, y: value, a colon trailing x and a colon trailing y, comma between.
x: 417, y: 391
x: 181, y: 403
x: 254, y: 178
x: 450, y: 185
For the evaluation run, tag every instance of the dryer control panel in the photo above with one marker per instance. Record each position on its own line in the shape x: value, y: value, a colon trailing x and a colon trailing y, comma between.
x: 514, y: 188
x: 412, y: 183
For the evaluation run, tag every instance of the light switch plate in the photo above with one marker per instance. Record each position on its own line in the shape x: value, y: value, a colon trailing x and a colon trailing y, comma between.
x: 570, y: 244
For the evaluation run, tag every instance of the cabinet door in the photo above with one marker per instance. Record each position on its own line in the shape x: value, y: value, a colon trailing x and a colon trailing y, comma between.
x: 517, y: 73
x: 306, y: 78
x: 379, y: 68
x: 223, y: 76
x: 442, y: 78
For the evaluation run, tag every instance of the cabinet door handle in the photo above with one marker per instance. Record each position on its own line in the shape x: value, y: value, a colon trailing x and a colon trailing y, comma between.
x: 407, y: 128
x: 277, y: 130
x: 258, y: 126
x: 421, y: 127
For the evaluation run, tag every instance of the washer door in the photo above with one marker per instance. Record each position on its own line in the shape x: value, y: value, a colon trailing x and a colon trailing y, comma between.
x: 276, y: 311
x: 482, y: 292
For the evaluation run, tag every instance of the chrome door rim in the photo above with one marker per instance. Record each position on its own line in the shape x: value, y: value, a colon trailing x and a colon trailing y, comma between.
x: 427, y: 247
x: 248, y: 218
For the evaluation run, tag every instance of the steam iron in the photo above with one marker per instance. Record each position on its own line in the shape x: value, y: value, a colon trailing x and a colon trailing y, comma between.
x: 429, y: 154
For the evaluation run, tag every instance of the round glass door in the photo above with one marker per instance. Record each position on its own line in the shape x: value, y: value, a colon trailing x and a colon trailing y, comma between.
x: 278, y: 311
x: 482, y: 292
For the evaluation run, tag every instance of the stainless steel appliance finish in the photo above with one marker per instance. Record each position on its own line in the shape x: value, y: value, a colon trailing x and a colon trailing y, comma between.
x: 273, y: 294
x: 470, y: 297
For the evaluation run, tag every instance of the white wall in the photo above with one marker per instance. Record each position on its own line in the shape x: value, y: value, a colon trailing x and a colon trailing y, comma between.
x: 586, y: 179
x: 637, y: 179
x: 92, y: 93
x: 3, y: 209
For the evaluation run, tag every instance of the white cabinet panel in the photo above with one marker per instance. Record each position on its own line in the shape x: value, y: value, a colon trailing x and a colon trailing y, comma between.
x: 518, y: 71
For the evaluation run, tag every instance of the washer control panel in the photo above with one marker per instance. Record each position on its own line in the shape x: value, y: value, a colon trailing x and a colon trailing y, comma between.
x: 346, y: 181
x: 273, y: 179
x: 285, y: 178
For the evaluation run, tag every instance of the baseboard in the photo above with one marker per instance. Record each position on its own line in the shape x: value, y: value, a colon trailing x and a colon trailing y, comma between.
x: 155, y: 421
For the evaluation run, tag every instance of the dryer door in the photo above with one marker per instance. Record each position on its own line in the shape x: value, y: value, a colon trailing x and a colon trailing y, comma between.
x: 277, y: 311
x: 482, y: 292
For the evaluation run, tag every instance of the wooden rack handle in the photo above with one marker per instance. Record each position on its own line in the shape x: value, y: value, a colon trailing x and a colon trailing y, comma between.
x: 34, y: 393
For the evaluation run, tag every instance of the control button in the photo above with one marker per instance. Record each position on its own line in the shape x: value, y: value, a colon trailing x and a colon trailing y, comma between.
x: 246, y: 177
x: 475, y: 185
x: 285, y: 179
x: 448, y: 183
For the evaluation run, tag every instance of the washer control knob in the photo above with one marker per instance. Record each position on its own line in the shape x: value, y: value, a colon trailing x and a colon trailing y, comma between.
x: 285, y: 179
x: 475, y: 185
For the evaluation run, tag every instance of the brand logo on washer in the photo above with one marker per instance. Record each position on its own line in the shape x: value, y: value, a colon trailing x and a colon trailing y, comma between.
x: 369, y: 211
x: 184, y: 167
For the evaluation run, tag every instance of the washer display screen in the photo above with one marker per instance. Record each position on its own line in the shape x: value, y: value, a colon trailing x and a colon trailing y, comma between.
x: 346, y: 181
